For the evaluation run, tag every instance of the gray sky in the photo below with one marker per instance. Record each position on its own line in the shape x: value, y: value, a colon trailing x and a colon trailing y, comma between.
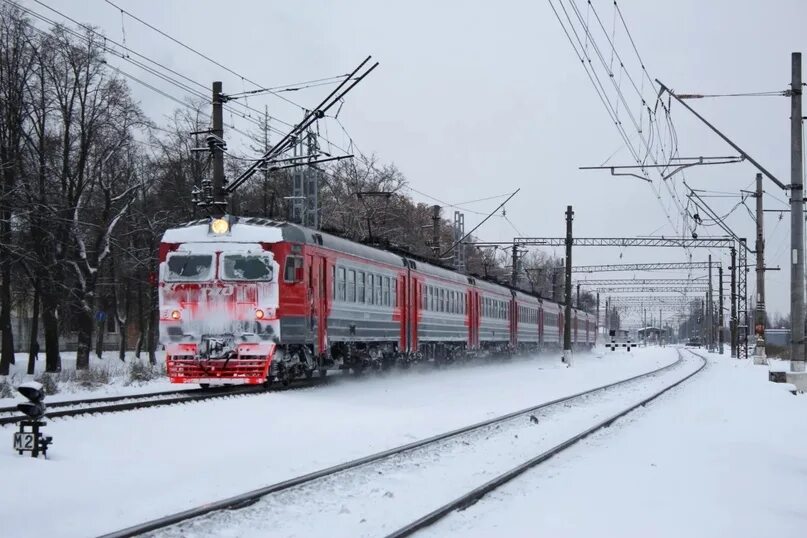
x: 474, y: 99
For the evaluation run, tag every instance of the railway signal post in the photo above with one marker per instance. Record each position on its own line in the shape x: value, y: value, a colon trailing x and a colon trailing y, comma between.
x: 29, y: 438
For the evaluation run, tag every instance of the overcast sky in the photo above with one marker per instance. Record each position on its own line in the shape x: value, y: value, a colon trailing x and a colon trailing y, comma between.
x: 475, y: 99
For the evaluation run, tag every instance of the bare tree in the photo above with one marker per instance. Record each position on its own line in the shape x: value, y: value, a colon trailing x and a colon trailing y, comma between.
x: 16, y: 61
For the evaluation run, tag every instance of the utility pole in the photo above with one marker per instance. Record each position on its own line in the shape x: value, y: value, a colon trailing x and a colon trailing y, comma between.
x: 759, y: 329
x: 459, y: 250
x: 597, y: 324
x: 567, y: 321
x: 436, y: 230
x: 796, y: 221
x: 733, y: 319
x: 217, y: 147
x: 514, y: 272
x: 710, y: 311
x: 720, y: 308
x: 578, y: 295
x: 660, y: 325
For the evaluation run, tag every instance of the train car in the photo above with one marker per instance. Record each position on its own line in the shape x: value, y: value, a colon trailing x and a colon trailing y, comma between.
x: 250, y: 300
x: 494, y: 316
x: 551, y: 324
x: 443, y: 323
x: 526, y: 322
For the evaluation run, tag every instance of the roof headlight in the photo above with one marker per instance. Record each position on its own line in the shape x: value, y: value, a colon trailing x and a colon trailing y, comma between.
x: 219, y: 226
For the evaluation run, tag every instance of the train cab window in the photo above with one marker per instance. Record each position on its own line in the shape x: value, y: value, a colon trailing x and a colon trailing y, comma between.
x: 360, y: 287
x: 189, y: 267
x: 340, y: 284
x: 294, y: 269
x: 351, y: 286
x: 246, y: 267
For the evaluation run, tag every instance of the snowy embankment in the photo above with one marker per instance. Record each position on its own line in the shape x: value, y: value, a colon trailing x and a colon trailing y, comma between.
x: 111, y: 471
x: 108, y: 376
x: 723, y: 455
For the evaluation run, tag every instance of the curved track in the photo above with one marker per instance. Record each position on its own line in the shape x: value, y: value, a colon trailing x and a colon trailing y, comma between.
x: 251, y: 497
x: 476, y: 494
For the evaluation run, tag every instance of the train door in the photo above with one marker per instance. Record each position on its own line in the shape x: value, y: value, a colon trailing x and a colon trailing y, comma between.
x: 473, y: 319
x: 405, y: 302
x: 317, y: 301
x: 413, y: 295
x: 541, y: 327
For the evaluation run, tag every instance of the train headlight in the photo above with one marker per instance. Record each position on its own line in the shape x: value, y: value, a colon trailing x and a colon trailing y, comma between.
x: 259, y: 314
x: 176, y: 314
x: 219, y: 226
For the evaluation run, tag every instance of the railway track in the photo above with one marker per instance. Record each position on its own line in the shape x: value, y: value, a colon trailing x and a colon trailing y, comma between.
x: 471, y: 497
x: 493, y: 425
x: 132, y: 402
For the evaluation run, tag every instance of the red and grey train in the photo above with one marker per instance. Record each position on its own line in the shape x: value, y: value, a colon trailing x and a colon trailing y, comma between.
x: 251, y: 300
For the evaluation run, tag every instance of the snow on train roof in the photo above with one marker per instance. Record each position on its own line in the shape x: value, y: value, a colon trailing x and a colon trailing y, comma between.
x: 198, y: 232
x: 262, y: 230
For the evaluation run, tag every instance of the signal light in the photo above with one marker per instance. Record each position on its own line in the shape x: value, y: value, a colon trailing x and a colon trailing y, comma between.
x: 34, y: 393
x: 29, y: 438
x: 259, y: 314
x: 176, y: 314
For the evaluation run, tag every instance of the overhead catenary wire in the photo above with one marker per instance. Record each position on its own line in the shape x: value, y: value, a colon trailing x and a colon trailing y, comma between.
x: 200, y: 54
x: 127, y: 57
x: 570, y: 30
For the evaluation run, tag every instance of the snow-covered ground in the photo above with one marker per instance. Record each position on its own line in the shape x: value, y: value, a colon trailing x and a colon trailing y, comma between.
x: 725, y: 454
x: 110, y: 471
x: 376, y: 499
x: 109, y: 377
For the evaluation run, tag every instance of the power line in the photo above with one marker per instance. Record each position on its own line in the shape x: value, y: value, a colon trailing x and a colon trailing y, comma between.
x: 191, y: 49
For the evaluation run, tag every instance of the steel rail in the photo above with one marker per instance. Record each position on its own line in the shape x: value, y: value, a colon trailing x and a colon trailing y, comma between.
x: 204, y: 394
x: 249, y: 498
x: 107, y: 399
x: 475, y: 495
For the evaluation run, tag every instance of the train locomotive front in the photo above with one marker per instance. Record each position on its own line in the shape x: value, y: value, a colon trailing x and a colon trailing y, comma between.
x: 218, y: 303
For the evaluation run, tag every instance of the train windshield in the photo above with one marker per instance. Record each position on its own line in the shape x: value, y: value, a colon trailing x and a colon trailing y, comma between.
x: 246, y: 267
x: 189, y: 267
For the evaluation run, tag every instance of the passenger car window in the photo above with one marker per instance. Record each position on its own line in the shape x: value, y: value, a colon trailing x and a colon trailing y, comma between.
x: 340, y: 284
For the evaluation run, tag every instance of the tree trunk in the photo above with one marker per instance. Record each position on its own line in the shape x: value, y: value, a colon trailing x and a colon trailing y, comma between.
x: 85, y: 330
x: 7, y: 353
x: 153, y: 315
x: 33, y: 349
x: 122, y: 313
x: 151, y: 341
x: 99, y: 337
x: 50, y: 324
x: 141, y: 322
